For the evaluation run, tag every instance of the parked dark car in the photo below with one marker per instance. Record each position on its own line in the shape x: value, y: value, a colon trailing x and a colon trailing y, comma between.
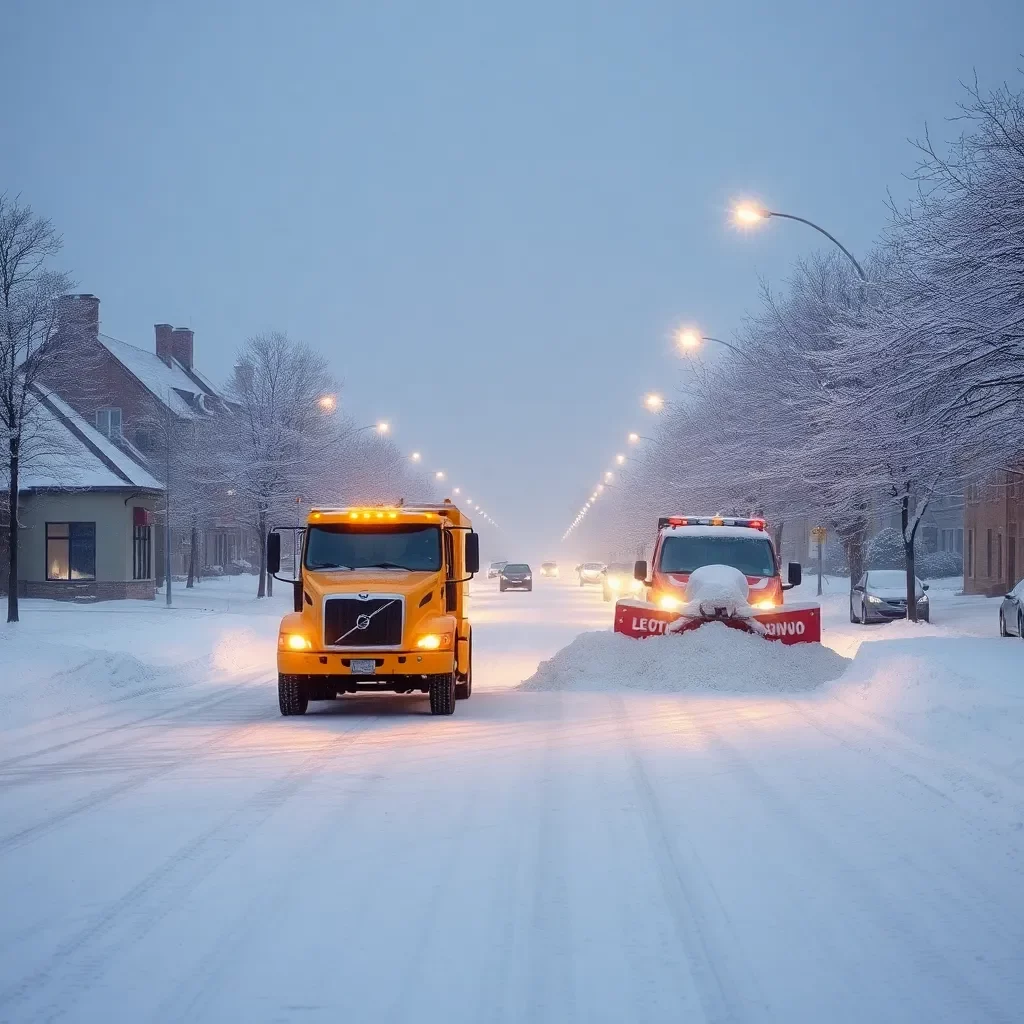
x: 1011, y: 612
x: 880, y: 595
x: 516, y: 576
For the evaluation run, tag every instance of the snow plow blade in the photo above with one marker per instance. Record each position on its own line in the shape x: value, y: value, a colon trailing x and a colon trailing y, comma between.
x: 791, y: 624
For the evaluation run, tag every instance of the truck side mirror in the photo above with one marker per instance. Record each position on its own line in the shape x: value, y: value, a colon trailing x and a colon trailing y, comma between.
x: 273, y: 553
x: 795, y: 574
x: 640, y: 571
x: 472, y: 552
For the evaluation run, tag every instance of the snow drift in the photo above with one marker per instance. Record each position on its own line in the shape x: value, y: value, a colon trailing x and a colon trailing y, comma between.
x: 712, y: 658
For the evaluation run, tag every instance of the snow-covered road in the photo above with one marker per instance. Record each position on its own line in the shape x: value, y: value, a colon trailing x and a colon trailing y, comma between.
x: 185, y: 854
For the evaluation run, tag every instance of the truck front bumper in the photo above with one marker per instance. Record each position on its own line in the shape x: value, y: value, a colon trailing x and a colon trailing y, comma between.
x: 387, y: 664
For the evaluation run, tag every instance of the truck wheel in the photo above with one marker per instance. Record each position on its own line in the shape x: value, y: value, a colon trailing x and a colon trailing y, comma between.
x: 442, y: 694
x: 464, y: 687
x: 291, y: 695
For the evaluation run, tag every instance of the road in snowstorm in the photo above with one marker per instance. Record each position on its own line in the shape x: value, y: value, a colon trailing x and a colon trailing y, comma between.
x: 538, y: 857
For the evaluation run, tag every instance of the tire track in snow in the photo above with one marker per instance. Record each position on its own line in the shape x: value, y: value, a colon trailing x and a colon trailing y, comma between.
x: 77, y: 963
x: 175, y: 759
x: 187, y: 708
x: 726, y: 990
x: 887, y: 910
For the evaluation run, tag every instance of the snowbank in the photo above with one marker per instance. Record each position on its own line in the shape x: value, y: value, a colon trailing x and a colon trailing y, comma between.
x: 963, y: 696
x: 712, y: 658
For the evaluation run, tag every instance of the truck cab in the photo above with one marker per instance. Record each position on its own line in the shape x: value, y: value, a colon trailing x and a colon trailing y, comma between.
x: 686, y: 543
x: 380, y: 604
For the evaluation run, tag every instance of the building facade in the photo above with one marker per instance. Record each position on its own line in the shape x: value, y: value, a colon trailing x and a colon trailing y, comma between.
x: 994, y: 534
x: 86, y: 513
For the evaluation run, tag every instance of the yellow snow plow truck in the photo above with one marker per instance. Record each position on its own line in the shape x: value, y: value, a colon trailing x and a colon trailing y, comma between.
x: 380, y: 605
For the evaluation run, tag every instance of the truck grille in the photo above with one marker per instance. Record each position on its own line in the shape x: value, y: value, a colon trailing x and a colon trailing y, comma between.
x: 368, y: 622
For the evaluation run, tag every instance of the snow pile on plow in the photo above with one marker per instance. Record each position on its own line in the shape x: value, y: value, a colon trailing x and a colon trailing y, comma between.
x: 712, y: 658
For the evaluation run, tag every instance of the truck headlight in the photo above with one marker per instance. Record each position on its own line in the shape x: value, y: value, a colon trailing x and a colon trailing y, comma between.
x: 295, y: 642
x: 613, y: 582
x: 668, y: 603
x: 434, y: 641
x: 765, y: 603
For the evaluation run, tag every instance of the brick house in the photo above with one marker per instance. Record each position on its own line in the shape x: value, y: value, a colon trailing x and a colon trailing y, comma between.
x: 86, y: 511
x: 129, y: 394
x: 994, y: 534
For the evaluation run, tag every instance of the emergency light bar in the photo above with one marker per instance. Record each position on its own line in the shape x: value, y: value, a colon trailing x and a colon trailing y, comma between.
x: 674, y: 521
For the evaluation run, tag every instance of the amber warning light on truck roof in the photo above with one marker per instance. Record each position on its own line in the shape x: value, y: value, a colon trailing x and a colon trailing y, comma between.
x: 673, y: 521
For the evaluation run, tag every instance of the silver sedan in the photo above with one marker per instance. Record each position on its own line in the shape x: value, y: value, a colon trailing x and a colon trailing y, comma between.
x: 881, y: 595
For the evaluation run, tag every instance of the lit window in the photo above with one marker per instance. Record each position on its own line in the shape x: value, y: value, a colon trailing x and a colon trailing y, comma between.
x: 71, y: 551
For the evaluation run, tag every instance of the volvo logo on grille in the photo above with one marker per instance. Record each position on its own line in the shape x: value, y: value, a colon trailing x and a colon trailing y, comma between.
x: 363, y: 622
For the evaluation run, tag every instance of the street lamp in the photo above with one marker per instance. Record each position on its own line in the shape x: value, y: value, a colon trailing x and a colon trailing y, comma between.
x: 620, y: 459
x: 654, y: 402
x: 439, y: 475
x: 383, y: 427
x: 455, y: 490
x: 327, y: 403
x: 689, y: 340
x: 609, y: 477
x: 748, y: 215
x: 415, y: 456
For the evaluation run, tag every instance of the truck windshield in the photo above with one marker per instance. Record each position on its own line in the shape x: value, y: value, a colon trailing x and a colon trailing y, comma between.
x: 339, y: 546
x: 751, y: 555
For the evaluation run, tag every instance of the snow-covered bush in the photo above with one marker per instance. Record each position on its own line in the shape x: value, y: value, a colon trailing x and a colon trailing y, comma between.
x: 939, y: 564
x: 885, y: 550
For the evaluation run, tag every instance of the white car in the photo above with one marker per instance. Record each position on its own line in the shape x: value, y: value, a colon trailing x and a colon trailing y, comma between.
x: 494, y: 569
x: 591, y: 573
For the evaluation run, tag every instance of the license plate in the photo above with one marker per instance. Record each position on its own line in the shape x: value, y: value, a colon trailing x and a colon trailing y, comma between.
x: 363, y: 667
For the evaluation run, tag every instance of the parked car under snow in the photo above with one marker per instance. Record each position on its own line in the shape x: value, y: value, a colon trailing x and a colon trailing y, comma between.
x: 881, y: 595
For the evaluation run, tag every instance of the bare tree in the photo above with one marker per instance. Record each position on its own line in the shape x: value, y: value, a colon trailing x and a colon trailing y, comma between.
x: 280, y: 433
x: 29, y: 322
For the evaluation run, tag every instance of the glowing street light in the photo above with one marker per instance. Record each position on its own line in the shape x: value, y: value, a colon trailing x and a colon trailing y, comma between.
x: 415, y: 456
x: 455, y: 490
x: 633, y: 438
x: 653, y: 402
x: 689, y: 340
x: 327, y: 403
x: 609, y: 477
x: 620, y: 459
x: 383, y: 427
x: 439, y: 475
x: 747, y: 214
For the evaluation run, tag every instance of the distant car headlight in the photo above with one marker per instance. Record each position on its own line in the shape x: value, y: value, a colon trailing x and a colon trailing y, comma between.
x: 764, y: 603
x: 295, y: 642
x: 434, y: 641
x: 669, y: 603
x: 636, y: 586
x: 923, y: 599
x: 874, y: 600
x: 613, y: 582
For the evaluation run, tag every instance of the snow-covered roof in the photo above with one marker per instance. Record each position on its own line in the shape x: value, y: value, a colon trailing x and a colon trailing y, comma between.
x: 62, y: 450
x: 163, y: 381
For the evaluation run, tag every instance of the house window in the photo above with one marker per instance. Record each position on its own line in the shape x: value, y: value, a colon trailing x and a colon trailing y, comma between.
x: 108, y: 421
x: 71, y: 551
x: 141, y: 553
x: 144, y: 440
x: 958, y: 540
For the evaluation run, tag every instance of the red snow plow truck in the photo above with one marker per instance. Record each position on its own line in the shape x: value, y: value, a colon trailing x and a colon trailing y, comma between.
x: 717, y: 569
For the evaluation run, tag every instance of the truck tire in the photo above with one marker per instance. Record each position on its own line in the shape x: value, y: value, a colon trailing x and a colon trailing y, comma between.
x: 464, y: 687
x: 291, y: 695
x: 442, y: 694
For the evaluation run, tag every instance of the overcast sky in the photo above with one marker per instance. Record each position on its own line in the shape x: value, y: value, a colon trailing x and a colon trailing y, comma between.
x: 488, y: 216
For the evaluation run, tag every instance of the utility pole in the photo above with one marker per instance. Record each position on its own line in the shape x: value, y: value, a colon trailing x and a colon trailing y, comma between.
x: 167, y: 498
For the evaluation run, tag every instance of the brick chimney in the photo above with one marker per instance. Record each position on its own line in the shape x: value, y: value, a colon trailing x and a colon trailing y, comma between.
x: 79, y: 317
x: 181, y: 346
x: 164, y: 341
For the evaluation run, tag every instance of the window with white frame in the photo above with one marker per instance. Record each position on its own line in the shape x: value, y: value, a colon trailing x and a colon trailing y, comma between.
x: 108, y: 422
